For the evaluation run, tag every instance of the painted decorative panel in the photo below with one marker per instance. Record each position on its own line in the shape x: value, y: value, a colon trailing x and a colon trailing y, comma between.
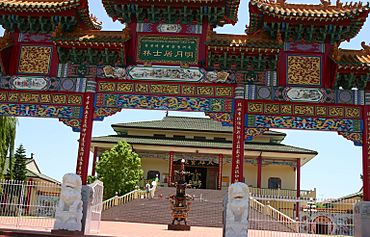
x: 304, y: 47
x: 164, y: 103
x: 168, y: 28
x: 168, y: 49
x: 184, y: 89
x: 328, y: 124
x: 304, y: 110
x: 35, y: 98
x: 163, y: 73
x: 34, y: 38
x: 225, y: 118
x: 74, y: 123
x: 305, y: 94
x: 27, y: 63
x: 77, y: 70
x: 43, y: 83
x: 37, y: 110
x: 101, y: 113
x: 355, y: 137
x: 304, y: 70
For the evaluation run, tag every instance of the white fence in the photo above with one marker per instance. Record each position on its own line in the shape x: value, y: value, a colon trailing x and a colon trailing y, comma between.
x: 31, y: 205
x: 272, y: 216
x: 28, y: 205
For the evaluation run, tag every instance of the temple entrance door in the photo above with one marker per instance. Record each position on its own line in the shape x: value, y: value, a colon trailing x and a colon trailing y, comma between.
x: 212, y: 178
x: 197, y: 177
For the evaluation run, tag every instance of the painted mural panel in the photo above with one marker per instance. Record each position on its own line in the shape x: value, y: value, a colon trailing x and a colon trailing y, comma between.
x: 28, y: 64
x: 165, y: 73
x: 304, y: 70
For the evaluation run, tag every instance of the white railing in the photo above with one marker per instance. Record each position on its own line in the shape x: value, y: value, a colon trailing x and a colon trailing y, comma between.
x: 28, y: 205
x: 302, y: 217
x: 276, y: 215
x: 287, y: 193
x: 120, y: 200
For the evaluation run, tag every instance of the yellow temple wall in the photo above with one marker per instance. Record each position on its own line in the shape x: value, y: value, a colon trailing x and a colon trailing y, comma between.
x: 155, y: 164
x: 285, y: 173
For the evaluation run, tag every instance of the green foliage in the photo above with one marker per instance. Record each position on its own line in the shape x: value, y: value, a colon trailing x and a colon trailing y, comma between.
x: 119, y: 169
x: 19, y: 168
x: 7, y: 140
x: 91, y: 179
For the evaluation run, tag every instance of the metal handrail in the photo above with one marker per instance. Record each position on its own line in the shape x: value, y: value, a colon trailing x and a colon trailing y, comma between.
x: 120, y: 200
x: 274, y: 213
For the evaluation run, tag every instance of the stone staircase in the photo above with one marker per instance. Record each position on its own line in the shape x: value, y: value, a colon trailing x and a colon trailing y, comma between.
x: 206, y: 210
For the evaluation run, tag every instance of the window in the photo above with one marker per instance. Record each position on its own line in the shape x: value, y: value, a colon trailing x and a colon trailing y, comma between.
x: 220, y: 139
x: 199, y: 138
x: 159, y: 135
x: 152, y: 174
x: 178, y: 136
x: 274, y: 183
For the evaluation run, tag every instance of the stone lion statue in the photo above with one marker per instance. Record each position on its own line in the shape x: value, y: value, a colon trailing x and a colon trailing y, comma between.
x: 68, y: 213
x: 236, y: 211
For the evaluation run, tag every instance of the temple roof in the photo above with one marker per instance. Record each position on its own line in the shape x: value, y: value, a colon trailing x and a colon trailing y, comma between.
x: 258, y: 39
x: 342, y: 21
x: 324, y: 11
x: 38, y: 5
x: 79, y: 8
x: 223, y: 11
x: 184, y: 123
x: 252, y: 146
x: 93, y: 38
x: 353, y: 59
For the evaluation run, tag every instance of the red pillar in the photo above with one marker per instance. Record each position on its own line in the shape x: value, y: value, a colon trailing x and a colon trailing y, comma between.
x: 85, y: 137
x: 298, y: 185
x: 298, y: 178
x: 259, y: 171
x: 220, y: 164
x: 366, y: 153
x: 94, y: 161
x: 170, y: 168
x: 238, y: 142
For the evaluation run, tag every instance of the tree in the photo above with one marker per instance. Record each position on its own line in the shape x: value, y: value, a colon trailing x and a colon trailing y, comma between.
x: 19, y: 168
x: 119, y: 169
x: 7, y: 140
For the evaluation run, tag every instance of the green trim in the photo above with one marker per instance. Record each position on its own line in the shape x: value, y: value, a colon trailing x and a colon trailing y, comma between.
x: 254, y: 146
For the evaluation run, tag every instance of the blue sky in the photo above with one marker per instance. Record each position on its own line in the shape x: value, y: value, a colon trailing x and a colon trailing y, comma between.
x: 334, y: 172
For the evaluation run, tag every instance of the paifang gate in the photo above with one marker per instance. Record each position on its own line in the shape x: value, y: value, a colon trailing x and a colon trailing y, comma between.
x: 287, y: 71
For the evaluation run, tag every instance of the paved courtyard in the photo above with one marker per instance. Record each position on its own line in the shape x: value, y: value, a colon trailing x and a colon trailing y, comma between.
x: 124, y: 229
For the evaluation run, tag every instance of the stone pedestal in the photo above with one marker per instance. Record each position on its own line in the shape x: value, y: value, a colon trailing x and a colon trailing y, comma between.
x: 178, y: 227
x: 362, y: 219
x: 87, y: 198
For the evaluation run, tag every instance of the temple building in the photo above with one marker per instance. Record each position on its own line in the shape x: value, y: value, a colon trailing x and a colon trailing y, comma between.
x: 206, y: 146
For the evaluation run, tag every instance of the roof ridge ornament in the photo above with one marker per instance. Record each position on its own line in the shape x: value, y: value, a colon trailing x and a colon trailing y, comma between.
x: 335, y: 52
x: 365, y: 47
x: 95, y: 21
x: 339, y: 4
x: 280, y: 2
x: 58, y: 32
x: 210, y: 33
x: 325, y: 3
